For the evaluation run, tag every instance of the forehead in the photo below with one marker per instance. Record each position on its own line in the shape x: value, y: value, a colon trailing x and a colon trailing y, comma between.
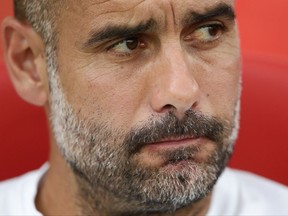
x: 100, y: 12
x: 103, y: 6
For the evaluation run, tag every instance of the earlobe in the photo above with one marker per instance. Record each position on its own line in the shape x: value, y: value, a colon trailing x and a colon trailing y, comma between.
x: 24, y: 53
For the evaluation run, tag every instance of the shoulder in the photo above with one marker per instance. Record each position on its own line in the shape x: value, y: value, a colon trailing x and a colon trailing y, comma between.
x: 17, y: 195
x: 243, y: 193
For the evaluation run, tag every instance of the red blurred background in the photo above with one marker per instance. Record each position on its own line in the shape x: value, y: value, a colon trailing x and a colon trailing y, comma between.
x: 263, y: 32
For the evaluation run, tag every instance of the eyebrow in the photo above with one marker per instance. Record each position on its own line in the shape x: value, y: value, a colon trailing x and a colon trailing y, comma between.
x: 221, y: 10
x: 119, y: 31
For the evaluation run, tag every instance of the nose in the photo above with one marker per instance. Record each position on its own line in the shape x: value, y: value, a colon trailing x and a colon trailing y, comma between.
x: 174, y: 86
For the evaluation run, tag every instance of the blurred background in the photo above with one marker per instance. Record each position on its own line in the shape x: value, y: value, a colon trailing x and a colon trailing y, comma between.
x: 262, y: 147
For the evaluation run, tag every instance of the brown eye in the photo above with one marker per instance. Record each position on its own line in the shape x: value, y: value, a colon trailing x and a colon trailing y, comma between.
x: 132, y: 43
x: 205, y: 35
x: 213, y: 31
x: 127, y: 46
x: 208, y: 33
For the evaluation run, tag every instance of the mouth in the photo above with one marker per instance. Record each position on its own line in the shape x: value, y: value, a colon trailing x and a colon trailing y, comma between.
x: 176, y: 152
x: 172, y: 143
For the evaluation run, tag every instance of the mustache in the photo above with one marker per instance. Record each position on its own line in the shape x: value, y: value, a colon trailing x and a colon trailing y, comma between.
x: 193, y: 124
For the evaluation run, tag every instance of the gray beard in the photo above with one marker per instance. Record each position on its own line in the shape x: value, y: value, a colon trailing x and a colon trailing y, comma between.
x: 110, y: 177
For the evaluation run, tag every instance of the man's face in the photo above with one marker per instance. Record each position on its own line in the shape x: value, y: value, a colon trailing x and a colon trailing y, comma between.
x: 144, y: 102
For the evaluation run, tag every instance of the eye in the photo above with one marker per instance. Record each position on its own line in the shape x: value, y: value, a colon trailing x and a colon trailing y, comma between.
x: 126, y: 46
x: 205, y: 35
x: 208, y: 33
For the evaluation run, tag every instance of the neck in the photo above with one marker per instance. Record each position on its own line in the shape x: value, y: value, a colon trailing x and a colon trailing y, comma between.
x: 57, y: 189
x: 61, y: 192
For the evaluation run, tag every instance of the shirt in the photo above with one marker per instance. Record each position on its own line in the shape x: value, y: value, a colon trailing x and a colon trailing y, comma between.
x: 17, y: 195
x: 235, y: 193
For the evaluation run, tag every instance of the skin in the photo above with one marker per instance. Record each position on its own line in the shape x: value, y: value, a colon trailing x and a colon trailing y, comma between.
x: 166, y: 72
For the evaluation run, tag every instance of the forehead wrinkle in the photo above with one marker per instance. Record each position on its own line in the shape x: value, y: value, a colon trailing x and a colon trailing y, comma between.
x: 173, y: 12
x: 107, y: 6
x: 97, y: 12
x: 168, y: 20
x: 103, y: 11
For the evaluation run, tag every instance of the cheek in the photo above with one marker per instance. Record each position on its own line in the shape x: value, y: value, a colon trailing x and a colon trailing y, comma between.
x: 221, y: 85
x: 105, y: 94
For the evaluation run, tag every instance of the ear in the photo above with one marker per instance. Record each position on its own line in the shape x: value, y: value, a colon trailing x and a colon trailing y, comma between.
x: 24, y: 53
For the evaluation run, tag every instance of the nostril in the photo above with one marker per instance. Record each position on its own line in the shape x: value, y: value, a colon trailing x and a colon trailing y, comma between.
x: 194, y: 105
x: 169, y: 107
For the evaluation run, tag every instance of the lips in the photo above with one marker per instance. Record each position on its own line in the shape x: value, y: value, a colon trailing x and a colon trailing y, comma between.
x: 175, y: 143
x: 176, y: 152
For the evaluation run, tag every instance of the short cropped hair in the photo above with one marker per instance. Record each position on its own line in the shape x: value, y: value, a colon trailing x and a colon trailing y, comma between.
x: 40, y: 14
